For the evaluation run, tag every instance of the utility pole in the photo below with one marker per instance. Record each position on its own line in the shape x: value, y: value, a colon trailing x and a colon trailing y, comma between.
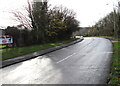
x: 119, y: 7
x: 114, y: 19
x: 115, y: 16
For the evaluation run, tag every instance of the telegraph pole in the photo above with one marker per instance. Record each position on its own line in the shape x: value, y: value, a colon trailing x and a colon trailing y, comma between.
x: 118, y: 6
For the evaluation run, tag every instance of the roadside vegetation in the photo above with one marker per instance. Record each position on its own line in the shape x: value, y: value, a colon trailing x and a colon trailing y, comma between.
x: 109, y: 27
x: 115, y: 66
x: 109, y: 37
x: 42, y: 24
x: 41, y: 27
x: 19, y: 51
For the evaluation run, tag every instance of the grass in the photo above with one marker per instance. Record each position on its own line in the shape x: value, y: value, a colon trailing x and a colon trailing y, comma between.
x: 110, y: 38
x: 114, y: 78
x: 115, y: 67
x: 19, y: 51
x: 2, y: 46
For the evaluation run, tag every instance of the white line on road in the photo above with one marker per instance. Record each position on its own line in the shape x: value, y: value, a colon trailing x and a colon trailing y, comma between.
x: 65, y: 58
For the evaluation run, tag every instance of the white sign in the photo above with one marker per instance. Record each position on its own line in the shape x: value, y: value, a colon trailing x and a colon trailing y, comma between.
x: 6, y: 39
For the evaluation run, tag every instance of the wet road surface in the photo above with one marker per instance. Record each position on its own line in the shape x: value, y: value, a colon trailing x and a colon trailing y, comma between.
x: 86, y: 62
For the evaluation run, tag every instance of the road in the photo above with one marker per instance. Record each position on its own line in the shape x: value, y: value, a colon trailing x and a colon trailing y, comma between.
x: 86, y: 62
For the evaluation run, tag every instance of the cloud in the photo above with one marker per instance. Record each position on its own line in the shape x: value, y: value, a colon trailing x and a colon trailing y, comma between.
x: 88, y: 11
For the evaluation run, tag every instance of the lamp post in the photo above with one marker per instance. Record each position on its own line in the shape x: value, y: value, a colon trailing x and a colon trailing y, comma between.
x: 115, y: 15
x: 114, y: 19
x: 114, y: 26
x: 118, y: 6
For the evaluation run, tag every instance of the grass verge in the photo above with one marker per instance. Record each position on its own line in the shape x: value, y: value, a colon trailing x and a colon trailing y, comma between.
x: 110, y: 38
x: 19, y: 51
x: 115, y: 66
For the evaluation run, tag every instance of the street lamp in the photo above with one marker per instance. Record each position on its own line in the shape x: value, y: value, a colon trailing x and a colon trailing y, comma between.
x: 116, y: 16
x: 119, y: 7
x: 115, y: 11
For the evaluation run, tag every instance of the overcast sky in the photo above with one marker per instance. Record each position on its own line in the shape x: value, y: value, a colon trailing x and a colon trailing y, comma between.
x: 87, y: 11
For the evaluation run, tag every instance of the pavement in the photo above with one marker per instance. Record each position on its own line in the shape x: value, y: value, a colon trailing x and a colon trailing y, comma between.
x: 86, y: 62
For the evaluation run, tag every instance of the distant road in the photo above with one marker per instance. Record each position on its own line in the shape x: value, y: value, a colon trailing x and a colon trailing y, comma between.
x: 86, y: 62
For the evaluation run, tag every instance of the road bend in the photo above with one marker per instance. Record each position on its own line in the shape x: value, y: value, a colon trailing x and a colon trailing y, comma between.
x: 87, y: 62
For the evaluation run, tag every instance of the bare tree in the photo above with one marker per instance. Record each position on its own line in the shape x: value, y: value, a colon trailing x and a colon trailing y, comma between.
x: 24, y: 17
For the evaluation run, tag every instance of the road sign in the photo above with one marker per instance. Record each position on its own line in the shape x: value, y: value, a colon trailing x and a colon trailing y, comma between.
x: 6, y: 39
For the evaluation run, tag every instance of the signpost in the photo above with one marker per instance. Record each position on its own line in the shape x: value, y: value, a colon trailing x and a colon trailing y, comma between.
x: 6, y: 40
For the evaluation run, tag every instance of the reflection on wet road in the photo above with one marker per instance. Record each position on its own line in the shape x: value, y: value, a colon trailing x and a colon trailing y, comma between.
x: 86, y: 62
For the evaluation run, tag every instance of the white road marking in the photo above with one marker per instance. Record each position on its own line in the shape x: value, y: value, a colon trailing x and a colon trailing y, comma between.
x: 74, y: 54
x: 65, y: 58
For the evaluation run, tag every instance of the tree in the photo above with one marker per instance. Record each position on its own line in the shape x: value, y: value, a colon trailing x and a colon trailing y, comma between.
x: 43, y: 25
x: 39, y: 13
x: 107, y: 26
x: 14, y: 32
x: 62, y: 23
x: 35, y: 20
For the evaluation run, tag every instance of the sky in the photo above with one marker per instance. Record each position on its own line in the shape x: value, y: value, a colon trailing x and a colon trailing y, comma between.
x: 88, y: 12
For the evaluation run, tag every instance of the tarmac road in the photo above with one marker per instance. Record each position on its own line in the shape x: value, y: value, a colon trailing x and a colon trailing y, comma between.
x: 86, y: 62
